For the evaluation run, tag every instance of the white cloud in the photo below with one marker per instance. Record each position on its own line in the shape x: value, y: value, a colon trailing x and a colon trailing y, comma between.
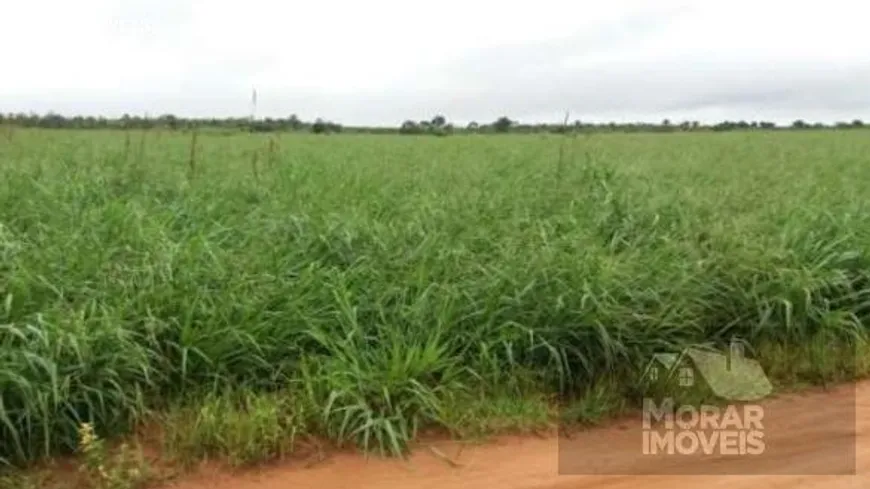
x: 382, y: 61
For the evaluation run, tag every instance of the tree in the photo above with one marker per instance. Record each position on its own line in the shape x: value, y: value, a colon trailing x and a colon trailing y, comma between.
x: 502, y: 124
x: 409, y: 127
x: 439, y: 120
x: 857, y: 123
x: 319, y: 126
x: 799, y: 124
x: 294, y: 123
x: 472, y: 126
x: 168, y: 120
x: 441, y: 131
x: 53, y: 121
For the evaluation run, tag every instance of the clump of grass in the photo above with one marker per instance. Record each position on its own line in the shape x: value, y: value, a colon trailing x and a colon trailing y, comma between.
x: 125, y: 469
x: 600, y: 401
x: 378, y: 397
x: 61, y: 369
x: 29, y: 480
x: 240, y: 428
x: 470, y: 417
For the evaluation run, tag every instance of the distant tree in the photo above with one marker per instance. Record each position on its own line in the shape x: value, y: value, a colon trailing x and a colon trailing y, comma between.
x: 439, y: 120
x: 52, y: 121
x: 319, y: 127
x: 294, y: 123
x: 799, y: 124
x: 168, y: 120
x: 857, y: 123
x: 262, y: 126
x: 409, y: 127
x: 502, y: 124
x: 472, y: 126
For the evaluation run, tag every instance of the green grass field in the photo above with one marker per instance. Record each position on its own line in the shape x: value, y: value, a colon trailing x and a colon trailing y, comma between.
x: 363, y: 287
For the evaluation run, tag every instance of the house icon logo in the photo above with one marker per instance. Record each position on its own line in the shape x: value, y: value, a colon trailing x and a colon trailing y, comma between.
x: 730, y: 376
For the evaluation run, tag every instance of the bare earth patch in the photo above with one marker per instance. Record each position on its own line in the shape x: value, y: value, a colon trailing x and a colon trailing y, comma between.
x: 533, y: 463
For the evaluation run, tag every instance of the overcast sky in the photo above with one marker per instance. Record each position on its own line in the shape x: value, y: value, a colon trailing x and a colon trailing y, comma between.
x: 383, y: 61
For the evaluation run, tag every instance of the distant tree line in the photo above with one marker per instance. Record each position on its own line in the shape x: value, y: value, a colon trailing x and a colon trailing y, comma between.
x: 505, y: 125
x: 168, y: 121
x: 436, y: 126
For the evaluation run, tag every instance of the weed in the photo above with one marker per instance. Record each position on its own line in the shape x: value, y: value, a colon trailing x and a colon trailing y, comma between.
x: 240, y: 428
x: 125, y: 469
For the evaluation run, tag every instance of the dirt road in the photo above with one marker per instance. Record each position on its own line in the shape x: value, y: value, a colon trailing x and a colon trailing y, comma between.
x: 811, y: 433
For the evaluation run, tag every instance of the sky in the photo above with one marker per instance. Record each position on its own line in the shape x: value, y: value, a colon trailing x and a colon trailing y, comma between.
x: 379, y: 62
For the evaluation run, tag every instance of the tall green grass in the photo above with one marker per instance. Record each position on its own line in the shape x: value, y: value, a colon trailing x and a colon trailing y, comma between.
x: 378, y: 281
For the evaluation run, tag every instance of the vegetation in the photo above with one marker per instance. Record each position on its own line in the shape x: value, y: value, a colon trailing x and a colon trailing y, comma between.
x: 124, y: 470
x: 438, y: 125
x: 374, y: 287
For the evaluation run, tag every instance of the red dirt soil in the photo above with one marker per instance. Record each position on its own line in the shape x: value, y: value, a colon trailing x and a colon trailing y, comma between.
x: 806, y: 433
